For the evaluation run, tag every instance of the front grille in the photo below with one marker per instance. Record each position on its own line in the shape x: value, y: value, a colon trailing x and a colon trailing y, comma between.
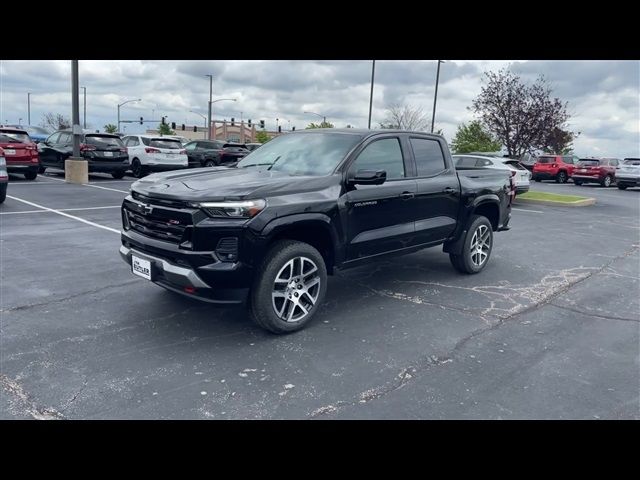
x: 160, y: 222
x: 155, y: 227
x: 159, y: 201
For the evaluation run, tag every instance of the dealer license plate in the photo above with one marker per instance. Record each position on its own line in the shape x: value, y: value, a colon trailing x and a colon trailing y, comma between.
x: 141, y: 267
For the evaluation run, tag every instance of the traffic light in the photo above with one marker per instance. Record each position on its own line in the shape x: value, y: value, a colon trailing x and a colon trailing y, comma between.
x: 262, y: 124
x: 279, y: 128
x: 183, y: 127
x: 249, y: 123
x: 233, y: 120
x: 141, y: 120
x: 293, y: 129
x: 173, y: 125
x: 195, y: 129
x: 163, y: 122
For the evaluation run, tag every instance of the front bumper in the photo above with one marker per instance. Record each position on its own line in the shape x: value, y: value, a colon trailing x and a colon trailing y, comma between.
x: 163, y: 167
x: 22, y: 167
x: 522, y: 189
x: 588, y: 178
x: 183, y: 280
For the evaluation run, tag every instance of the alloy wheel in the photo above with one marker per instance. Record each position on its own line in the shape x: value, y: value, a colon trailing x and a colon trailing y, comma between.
x: 480, y: 245
x: 296, y: 289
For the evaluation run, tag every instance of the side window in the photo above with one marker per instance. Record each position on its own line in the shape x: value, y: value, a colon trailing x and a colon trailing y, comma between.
x: 568, y: 159
x: 145, y: 140
x: 125, y: 140
x: 428, y: 155
x: 382, y: 154
x: 483, y: 162
x: 65, y: 138
x: 465, y: 162
x: 53, y: 138
x: 134, y: 142
x: 613, y: 162
x: 190, y: 147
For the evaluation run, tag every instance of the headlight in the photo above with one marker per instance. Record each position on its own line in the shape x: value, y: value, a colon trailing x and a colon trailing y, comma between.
x: 241, y: 209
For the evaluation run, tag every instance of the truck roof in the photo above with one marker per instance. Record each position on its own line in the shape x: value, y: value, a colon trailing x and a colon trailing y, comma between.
x: 363, y: 132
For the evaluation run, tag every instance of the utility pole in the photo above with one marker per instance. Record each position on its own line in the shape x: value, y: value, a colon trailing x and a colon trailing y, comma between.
x: 373, y: 73
x: 29, y: 108
x: 75, y: 105
x: 210, y: 100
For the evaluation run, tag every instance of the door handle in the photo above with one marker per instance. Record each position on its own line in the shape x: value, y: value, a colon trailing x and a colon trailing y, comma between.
x: 407, y: 195
x: 450, y: 190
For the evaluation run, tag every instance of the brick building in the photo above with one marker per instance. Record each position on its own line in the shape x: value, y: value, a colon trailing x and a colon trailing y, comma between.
x: 240, y: 132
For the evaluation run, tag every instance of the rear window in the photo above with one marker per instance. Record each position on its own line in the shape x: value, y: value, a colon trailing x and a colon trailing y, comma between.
x: 14, y: 137
x: 546, y: 159
x: 588, y: 163
x: 166, y: 143
x: 233, y: 145
x: 464, y: 161
x: 515, y: 164
x: 632, y: 161
x: 101, y: 141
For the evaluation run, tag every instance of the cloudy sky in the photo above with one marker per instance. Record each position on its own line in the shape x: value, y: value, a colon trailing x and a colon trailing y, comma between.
x: 603, y: 96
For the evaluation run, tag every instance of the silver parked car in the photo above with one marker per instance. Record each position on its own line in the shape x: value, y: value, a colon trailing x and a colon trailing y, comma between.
x: 521, y: 176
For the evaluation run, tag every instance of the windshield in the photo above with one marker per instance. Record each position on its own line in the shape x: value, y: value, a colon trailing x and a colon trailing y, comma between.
x: 302, y: 154
x: 165, y: 143
x: 14, y: 137
x: 104, y: 141
x: 546, y: 159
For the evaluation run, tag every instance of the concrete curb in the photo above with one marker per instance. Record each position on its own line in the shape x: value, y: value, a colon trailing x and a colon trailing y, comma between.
x: 580, y: 203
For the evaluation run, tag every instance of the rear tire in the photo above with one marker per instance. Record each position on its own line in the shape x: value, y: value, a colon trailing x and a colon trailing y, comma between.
x: 289, y: 287
x: 137, y: 168
x: 31, y: 175
x: 3, y: 193
x: 606, y: 181
x: 118, y: 175
x: 562, y: 177
x: 622, y: 186
x: 41, y: 170
x: 209, y: 163
x: 577, y: 182
x: 476, y: 248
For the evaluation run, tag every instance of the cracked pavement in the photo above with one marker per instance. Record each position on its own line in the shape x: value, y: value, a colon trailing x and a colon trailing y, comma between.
x: 550, y: 329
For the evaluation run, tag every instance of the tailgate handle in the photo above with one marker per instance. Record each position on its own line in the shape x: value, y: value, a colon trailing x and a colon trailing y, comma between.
x: 407, y: 195
x: 450, y: 190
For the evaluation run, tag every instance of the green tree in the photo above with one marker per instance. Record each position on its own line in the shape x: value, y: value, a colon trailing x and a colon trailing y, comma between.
x: 322, y: 124
x: 110, y: 128
x: 262, y: 137
x: 473, y: 137
x: 164, y: 129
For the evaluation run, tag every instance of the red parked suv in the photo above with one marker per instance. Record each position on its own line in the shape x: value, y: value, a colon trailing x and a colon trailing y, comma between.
x: 596, y: 170
x: 554, y: 167
x: 20, y: 152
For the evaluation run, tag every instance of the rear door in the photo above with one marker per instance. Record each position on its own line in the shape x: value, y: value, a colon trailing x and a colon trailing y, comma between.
x: 438, y: 191
x: 379, y: 217
x: 46, y: 150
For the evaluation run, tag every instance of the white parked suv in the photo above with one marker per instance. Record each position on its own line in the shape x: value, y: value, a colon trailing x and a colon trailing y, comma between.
x: 521, y: 176
x: 148, y: 153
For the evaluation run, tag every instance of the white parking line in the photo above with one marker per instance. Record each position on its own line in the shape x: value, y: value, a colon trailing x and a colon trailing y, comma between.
x: 60, y: 210
x: 89, y: 185
x: 53, y: 210
x: 525, y: 210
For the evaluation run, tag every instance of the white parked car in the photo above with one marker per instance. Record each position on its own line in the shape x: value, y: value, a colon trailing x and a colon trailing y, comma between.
x: 628, y: 173
x: 148, y: 153
x: 521, y: 176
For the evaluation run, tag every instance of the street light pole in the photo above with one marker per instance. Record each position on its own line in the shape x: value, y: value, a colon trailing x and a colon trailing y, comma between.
x: 75, y: 108
x: 123, y: 103
x: 323, y: 117
x: 210, y: 102
x: 435, y: 97
x: 29, y: 108
x: 203, y: 117
x: 85, y: 108
x: 373, y: 73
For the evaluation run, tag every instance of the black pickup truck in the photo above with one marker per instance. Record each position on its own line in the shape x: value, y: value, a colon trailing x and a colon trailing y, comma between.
x: 270, y: 229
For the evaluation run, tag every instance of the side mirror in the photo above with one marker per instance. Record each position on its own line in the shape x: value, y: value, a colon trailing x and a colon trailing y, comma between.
x: 369, y: 177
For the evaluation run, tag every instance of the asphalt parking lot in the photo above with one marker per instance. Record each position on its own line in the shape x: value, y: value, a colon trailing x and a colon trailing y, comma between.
x: 550, y: 329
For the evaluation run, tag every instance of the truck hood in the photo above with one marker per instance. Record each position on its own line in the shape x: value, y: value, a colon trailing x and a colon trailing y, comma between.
x: 224, y: 183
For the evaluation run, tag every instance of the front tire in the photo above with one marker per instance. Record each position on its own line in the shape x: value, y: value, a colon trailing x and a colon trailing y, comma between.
x: 577, y: 182
x: 476, y: 248
x: 209, y: 163
x: 31, y: 175
x: 622, y: 186
x: 562, y: 177
x: 118, y: 175
x: 289, y: 287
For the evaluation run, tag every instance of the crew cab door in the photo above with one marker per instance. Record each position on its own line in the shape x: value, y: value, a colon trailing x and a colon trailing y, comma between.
x: 379, y: 218
x: 437, y: 199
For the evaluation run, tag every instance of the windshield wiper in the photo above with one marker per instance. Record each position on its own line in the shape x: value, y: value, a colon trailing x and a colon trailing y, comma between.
x: 256, y: 164
x: 274, y: 162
